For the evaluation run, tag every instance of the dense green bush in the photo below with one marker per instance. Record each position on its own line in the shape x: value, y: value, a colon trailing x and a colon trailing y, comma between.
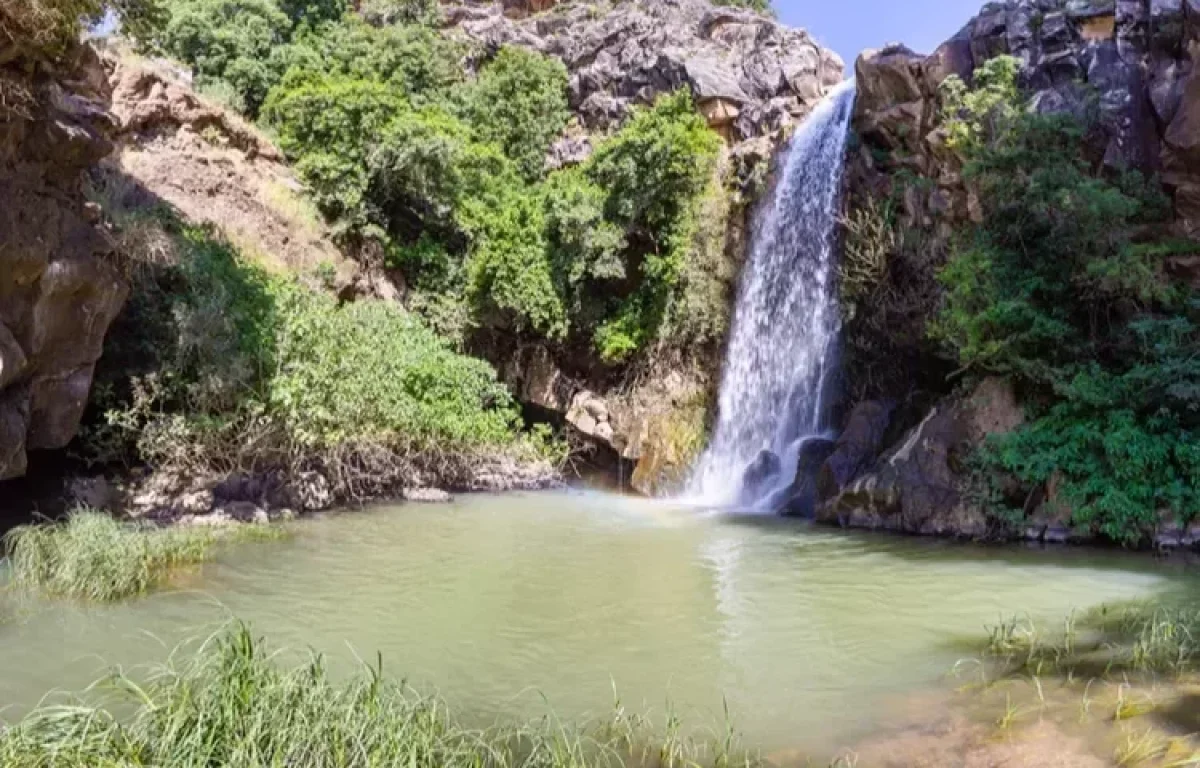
x: 248, y: 371
x: 231, y: 41
x: 519, y: 102
x: 443, y: 174
x: 1060, y: 288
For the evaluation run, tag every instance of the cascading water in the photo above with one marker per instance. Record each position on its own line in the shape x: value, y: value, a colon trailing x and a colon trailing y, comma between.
x: 782, y: 351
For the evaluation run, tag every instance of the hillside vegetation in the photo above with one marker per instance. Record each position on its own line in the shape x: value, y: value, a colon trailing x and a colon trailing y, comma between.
x: 437, y: 168
x: 1062, y: 288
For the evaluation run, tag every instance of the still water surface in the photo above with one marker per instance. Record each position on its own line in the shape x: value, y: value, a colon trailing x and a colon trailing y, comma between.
x: 504, y: 604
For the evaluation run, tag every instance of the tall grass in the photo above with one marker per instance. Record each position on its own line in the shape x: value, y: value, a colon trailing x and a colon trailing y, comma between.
x: 1138, y: 637
x: 92, y: 556
x: 232, y: 703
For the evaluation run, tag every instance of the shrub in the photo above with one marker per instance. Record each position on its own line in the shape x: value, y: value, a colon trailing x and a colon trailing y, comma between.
x: 94, y: 557
x: 1058, y: 288
x: 519, y: 102
x: 246, y: 371
x: 234, y: 41
x: 655, y: 171
x: 414, y: 62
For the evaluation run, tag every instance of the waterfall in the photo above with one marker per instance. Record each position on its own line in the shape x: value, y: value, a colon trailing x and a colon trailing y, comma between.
x: 783, y: 348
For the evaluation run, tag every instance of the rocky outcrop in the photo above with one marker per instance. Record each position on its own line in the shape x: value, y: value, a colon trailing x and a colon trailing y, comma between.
x: 751, y: 75
x: 58, y: 294
x: 655, y: 427
x: 1128, y: 66
x: 921, y: 484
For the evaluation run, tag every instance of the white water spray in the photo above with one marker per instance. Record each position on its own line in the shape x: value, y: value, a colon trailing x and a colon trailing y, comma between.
x: 783, y: 348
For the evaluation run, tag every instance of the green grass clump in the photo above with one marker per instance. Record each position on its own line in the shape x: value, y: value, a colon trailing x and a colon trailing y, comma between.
x: 1138, y: 638
x: 94, y: 557
x: 232, y: 703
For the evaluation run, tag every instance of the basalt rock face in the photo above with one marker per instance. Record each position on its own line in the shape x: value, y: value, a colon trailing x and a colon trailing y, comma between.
x: 751, y: 76
x: 57, y: 293
x: 1127, y: 67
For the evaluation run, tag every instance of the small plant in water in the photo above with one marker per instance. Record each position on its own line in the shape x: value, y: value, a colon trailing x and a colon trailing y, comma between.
x: 95, y: 557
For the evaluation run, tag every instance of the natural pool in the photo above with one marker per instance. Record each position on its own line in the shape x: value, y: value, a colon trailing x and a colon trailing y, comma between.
x: 508, y: 605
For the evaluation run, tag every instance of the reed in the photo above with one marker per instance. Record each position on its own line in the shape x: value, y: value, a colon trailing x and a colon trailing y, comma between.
x: 92, y: 556
x: 231, y: 702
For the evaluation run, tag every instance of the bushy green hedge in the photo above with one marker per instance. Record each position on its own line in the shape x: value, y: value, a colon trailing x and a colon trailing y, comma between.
x: 251, y: 371
x: 1063, y: 287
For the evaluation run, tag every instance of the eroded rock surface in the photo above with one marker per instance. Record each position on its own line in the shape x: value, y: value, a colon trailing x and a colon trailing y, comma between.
x: 58, y: 294
x: 751, y: 75
x: 920, y: 484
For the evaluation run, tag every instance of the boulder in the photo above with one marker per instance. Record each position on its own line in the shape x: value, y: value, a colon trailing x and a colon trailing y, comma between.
x: 94, y: 492
x: 855, y: 449
x: 426, y: 495
x: 919, y: 485
x: 763, y: 469
x: 803, y: 498
x: 244, y: 512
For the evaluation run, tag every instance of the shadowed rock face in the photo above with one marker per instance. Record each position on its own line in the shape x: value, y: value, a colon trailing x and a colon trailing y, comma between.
x: 750, y: 75
x: 57, y: 295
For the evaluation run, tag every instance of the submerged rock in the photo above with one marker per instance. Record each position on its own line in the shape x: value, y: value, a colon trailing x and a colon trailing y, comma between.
x: 765, y: 467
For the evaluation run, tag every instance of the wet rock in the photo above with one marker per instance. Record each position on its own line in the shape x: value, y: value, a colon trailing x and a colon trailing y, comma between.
x: 814, y: 451
x: 282, y: 514
x: 245, y: 512
x: 94, y: 492
x: 765, y: 467
x: 918, y: 485
x: 427, y: 495
x: 857, y: 446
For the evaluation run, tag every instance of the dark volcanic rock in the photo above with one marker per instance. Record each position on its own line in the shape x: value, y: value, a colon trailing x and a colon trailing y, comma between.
x: 856, y: 448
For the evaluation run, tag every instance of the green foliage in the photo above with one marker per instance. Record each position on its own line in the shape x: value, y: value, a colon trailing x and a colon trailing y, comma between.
x: 519, y: 102
x: 655, y: 171
x: 443, y: 175
x: 233, y: 701
x: 413, y: 62
x: 1058, y: 288
x: 370, y: 372
x: 93, y: 557
x: 762, y: 6
x: 234, y: 41
x: 232, y: 368
x: 1125, y: 439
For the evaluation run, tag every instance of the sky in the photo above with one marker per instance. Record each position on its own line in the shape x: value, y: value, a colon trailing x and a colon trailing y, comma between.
x: 849, y: 26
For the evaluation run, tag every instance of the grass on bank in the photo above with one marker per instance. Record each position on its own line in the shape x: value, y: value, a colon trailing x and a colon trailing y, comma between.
x: 233, y: 703
x: 92, y: 556
x: 1136, y: 638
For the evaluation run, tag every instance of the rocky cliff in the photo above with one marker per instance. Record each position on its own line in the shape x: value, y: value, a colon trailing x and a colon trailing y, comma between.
x: 1128, y: 70
x: 57, y: 293
x: 753, y: 79
x: 751, y: 76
